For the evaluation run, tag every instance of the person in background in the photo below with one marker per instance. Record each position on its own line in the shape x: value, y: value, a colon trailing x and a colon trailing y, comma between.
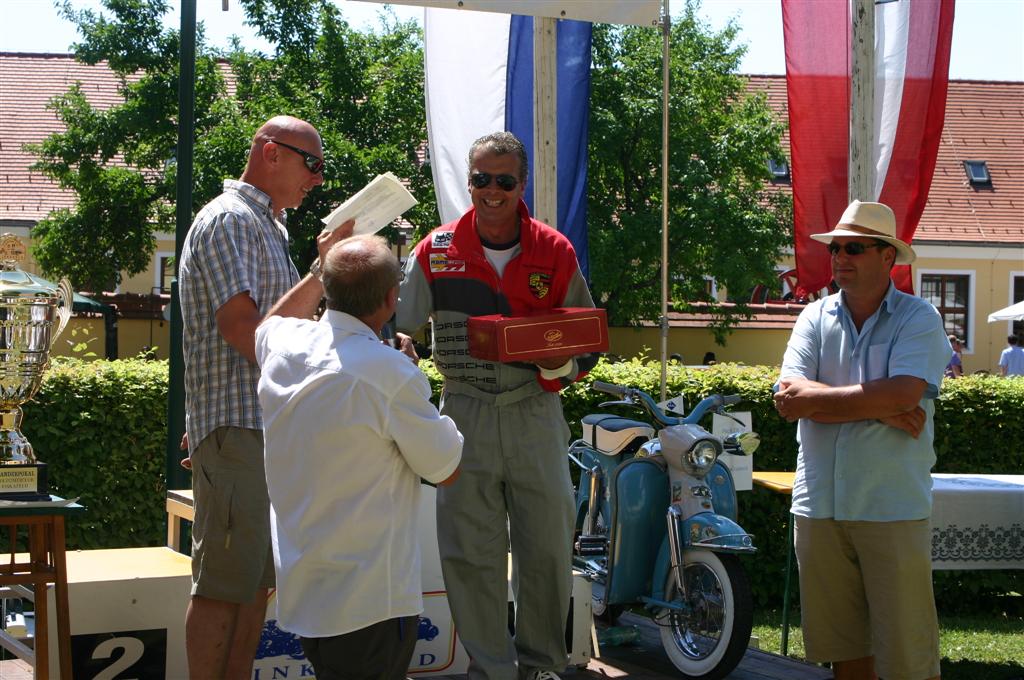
x: 349, y: 432
x: 234, y: 266
x: 709, y: 359
x: 860, y: 375
x: 955, y: 367
x: 1011, y: 360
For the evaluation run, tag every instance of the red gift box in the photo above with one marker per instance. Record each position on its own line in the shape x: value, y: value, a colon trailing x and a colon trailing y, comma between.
x: 560, y: 332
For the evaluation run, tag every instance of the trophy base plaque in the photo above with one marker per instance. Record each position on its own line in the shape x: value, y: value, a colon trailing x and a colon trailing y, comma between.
x: 23, y: 482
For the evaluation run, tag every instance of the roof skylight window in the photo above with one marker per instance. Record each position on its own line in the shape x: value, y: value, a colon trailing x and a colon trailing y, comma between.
x: 779, y: 170
x: 977, y: 173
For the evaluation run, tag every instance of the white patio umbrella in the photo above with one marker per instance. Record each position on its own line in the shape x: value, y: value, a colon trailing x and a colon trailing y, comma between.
x: 1014, y: 312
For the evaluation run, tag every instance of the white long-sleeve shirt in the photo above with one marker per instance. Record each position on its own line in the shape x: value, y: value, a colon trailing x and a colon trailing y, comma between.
x: 349, y: 431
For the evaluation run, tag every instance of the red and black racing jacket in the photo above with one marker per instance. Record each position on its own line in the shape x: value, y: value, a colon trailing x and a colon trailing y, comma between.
x: 448, y: 279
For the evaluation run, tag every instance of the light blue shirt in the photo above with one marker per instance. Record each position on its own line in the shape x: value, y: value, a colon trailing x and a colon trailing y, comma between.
x: 1012, y: 359
x: 864, y: 470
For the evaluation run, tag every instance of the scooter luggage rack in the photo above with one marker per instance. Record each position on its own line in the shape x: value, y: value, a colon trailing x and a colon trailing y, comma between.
x: 716, y: 543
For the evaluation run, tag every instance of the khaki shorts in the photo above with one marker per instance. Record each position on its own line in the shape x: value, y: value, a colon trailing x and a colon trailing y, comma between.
x: 231, y: 553
x: 866, y: 590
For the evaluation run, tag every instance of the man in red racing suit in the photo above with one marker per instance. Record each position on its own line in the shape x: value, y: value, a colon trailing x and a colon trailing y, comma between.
x: 514, y: 489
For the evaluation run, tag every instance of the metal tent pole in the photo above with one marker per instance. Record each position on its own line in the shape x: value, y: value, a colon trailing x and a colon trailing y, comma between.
x: 665, y: 32
x: 545, y: 117
x: 176, y: 477
x: 862, y: 103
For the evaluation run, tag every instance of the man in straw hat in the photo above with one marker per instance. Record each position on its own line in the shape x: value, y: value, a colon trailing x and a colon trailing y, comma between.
x: 860, y: 375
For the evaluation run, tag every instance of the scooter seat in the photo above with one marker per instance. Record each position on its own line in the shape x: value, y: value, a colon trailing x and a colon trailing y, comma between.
x: 613, y: 435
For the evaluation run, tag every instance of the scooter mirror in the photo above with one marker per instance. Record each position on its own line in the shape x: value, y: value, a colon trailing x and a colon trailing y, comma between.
x: 747, y: 442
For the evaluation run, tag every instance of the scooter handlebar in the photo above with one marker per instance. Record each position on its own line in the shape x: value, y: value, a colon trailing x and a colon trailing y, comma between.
x: 609, y: 388
x: 731, y: 399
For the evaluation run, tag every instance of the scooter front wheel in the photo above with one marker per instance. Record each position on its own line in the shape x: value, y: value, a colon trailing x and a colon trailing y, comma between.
x: 708, y: 641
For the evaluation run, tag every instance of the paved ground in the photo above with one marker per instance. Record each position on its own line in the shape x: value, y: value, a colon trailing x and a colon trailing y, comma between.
x: 646, y: 660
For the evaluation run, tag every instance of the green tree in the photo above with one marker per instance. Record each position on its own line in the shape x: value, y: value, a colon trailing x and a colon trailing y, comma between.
x: 723, y: 224
x: 119, y: 160
x: 362, y: 90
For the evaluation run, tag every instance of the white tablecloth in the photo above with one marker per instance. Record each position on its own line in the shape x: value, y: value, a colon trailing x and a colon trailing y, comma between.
x: 977, y: 521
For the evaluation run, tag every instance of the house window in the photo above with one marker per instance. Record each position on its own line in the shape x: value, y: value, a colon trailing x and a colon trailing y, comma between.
x: 950, y: 294
x: 977, y: 173
x: 779, y: 170
x: 166, y: 273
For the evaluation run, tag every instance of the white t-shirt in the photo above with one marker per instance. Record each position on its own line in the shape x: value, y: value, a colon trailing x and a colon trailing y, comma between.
x: 349, y: 431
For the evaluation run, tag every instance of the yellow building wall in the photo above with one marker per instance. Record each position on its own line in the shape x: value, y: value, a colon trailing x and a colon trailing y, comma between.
x: 990, y: 270
x: 747, y: 346
x: 989, y: 291
x: 146, y: 281
x: 85, y: 338
x: 134, y: 335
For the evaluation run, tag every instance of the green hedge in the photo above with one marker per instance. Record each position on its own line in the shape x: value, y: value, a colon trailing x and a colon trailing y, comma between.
x: 101, y: 427
x: 979, y: 426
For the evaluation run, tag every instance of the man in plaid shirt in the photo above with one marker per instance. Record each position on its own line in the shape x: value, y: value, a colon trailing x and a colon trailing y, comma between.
x: 234, y: 266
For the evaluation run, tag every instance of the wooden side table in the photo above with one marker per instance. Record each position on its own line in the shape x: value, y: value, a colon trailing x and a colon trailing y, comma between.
x: 45, y: 564
x: 782, y: 482
x: 179, y: 506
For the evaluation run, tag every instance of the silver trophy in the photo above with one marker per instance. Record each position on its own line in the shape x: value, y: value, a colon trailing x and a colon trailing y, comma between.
x: 29, y: 309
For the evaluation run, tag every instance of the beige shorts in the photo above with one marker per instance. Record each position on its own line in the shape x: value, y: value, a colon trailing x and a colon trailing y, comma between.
x: 866, y: 590
x: 231, y: 552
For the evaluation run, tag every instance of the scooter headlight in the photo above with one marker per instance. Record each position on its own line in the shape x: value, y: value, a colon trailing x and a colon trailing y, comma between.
x: 699, y: 459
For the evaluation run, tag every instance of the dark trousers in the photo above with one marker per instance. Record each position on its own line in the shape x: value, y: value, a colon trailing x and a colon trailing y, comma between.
x: 381, y: 651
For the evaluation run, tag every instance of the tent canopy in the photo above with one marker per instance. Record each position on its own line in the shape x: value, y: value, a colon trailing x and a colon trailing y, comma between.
x: 1014, y: 312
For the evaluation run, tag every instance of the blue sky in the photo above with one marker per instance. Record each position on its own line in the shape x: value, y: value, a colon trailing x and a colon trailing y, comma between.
x: 988, y: 35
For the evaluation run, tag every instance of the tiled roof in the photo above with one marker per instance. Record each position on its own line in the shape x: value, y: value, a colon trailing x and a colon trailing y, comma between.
x: 27, y: 83
x: 984, y: 121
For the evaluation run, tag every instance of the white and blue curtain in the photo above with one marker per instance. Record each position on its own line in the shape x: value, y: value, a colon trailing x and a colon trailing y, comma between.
x: 479, y: 79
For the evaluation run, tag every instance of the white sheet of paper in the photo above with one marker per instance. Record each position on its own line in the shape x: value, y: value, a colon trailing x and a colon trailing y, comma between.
x: 741, y: 467
x: 374, y: 207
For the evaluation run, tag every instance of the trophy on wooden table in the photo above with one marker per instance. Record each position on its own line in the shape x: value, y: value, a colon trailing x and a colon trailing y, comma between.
x: 29, y: 308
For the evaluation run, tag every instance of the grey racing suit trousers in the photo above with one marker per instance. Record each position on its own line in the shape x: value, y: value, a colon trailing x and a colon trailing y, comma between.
x: 514, y: 470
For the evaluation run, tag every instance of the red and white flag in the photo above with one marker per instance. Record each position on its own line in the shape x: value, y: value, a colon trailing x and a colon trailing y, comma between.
x: 912, y: 44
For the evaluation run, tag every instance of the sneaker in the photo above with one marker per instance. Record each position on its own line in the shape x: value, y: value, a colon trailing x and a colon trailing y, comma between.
x: 543, y: 675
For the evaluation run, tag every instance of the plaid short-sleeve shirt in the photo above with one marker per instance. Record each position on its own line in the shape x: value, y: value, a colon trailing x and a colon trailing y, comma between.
x: 234, y: 245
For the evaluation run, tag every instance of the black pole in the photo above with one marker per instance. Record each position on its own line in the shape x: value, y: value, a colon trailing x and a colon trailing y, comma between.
x: 177, y: 477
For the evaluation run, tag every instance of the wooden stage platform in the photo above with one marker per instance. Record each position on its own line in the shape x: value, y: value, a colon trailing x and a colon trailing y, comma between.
x: 644, y: 660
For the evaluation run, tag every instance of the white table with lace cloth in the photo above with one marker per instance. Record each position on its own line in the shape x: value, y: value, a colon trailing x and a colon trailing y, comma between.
x: 977, y: 521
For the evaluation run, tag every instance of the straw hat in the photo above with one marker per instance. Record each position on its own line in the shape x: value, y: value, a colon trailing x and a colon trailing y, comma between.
x: 874, y: 220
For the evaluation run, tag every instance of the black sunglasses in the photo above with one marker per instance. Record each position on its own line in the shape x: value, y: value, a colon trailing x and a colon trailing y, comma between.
x: 481, y: 180
x: 854, y: 247
x: 315, y: 164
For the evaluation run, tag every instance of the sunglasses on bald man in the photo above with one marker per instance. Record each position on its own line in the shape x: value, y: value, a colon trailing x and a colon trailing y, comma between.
x: 854, y: 247
x: 314, y: 164
x: 482, y: 180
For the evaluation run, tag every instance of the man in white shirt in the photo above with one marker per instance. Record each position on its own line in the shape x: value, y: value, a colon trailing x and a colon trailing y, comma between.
x: 349, y: 432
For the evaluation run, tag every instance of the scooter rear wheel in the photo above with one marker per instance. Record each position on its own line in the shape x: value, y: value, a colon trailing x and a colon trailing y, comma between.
x: 708, y: 642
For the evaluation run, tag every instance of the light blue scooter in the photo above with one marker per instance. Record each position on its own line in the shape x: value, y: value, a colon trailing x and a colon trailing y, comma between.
x: 656, y: 525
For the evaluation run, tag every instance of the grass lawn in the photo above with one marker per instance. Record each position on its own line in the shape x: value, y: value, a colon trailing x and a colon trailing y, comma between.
x: 974, y: 647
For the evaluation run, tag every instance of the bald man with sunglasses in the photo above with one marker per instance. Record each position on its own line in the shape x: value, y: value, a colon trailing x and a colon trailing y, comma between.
x: 234, y: 266
x: 860, y: 376
x: 514, y: 487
